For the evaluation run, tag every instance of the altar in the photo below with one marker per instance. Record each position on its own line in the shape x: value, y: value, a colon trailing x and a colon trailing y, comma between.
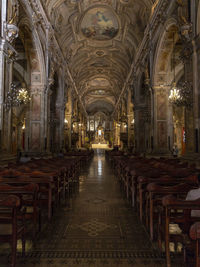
x: 99, y: 141
x: 100, y: 146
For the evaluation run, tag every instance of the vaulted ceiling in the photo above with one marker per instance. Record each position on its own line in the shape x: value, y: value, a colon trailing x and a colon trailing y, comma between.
x: 99, y: 40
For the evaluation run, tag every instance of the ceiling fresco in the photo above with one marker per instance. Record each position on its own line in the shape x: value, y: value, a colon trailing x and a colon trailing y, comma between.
x: 99, y: 40
x: 100, y: 23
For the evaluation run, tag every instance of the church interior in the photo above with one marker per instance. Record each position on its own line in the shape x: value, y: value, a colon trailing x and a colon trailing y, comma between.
x: 100, y: 133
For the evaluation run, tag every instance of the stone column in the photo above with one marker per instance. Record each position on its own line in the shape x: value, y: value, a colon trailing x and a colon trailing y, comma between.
x: 2, y: 59
x: 196, y: 88
x: 60, y: 129
x: 6, y: 130
x: 69, y: 130
x: 7, y: 54
x: 161, y: 120
x: 36, y: 121
x: 186, y: 57
x: 19, y: 136
x: 69, y: 116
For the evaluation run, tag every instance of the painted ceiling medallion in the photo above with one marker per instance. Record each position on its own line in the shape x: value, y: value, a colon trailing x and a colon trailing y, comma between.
x: 100, y: 23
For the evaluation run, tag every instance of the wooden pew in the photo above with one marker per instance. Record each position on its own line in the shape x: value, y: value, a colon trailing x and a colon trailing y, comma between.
x: 45, y: 188
x: 28, y: 195
x: 155, y: 192
x: 165, y: 180
x: 176, y: 211
x: 9, y: 211
x: 195, y: 235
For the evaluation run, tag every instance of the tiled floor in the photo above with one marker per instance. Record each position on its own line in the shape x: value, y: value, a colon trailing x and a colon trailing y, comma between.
x: 97, y: 228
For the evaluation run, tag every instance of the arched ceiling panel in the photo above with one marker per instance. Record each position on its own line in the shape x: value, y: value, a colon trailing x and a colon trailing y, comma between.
x: 99, y: 39
x: 99, y: 105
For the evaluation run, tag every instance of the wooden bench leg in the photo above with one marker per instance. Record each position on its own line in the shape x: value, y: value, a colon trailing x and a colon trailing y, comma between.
x: 167, y: 250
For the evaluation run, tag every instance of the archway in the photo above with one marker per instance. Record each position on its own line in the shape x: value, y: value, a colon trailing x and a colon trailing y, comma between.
x: 17, y: 97
x: 168, y: 71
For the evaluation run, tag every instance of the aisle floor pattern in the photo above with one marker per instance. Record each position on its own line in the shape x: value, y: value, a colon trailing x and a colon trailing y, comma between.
x: 97, y: 227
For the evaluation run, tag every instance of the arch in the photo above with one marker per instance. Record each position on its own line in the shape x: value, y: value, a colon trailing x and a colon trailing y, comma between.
x: 100, y: 105
x: 168, y: 69
x: 170, y: 25
x: 26, y: 26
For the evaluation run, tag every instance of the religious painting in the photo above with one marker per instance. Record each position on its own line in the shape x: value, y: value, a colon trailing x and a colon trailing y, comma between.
x: 99, y: 23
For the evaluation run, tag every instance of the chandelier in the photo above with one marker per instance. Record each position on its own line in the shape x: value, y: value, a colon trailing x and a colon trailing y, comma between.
x: 17, y: 96
x: 174, y: 96
x: 23, y: 96
x: 181, y: 95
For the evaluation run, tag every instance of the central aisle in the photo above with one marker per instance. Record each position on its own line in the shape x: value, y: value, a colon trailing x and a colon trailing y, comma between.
x: 98, y: 228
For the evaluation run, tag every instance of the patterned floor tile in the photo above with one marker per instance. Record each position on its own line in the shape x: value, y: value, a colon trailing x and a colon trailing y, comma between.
x: 97, y: 228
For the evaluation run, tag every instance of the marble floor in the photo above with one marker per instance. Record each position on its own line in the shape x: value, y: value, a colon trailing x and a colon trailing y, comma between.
x: 96, y: 227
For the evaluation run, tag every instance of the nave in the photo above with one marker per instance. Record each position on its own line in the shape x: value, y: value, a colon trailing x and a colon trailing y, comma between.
x: 95, y: 226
